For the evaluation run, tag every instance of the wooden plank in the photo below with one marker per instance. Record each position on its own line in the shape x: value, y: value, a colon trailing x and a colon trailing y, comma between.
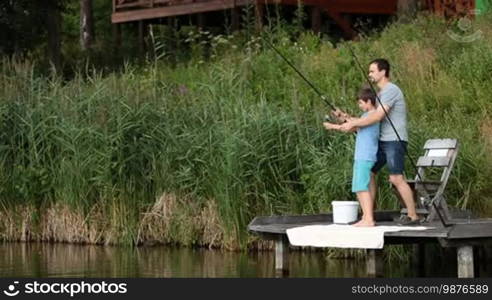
x: 292, y: 219
x: 176, y: 10
x: 430, y: 233
x: 380, y: 216
x: 281, y: 228
x: 433, y: 161
x: 471, y: 230
x: 349, y: 6
x: 441, y: 144
x: 465, y: 262
x: 278, y: 228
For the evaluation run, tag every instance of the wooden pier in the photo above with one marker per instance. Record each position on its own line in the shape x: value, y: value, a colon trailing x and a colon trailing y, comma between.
x: 464, y: 234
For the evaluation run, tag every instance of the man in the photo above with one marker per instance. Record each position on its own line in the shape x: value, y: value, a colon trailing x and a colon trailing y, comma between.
x: 392, y: 145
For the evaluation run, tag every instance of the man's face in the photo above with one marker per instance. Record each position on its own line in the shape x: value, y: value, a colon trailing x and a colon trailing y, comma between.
x: 374, y: 74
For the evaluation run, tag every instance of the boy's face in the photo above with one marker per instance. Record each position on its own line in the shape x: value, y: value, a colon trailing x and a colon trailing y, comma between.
x: 365, y: 105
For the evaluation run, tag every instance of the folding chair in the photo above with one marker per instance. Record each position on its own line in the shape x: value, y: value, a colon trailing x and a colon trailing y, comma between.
x: 434, y: 168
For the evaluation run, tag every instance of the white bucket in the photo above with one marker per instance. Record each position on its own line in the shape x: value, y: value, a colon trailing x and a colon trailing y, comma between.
x: 345, y: 212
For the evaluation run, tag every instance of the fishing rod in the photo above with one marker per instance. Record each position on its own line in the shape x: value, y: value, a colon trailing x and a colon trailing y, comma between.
x: 316, y: 90
x: 441, y: 218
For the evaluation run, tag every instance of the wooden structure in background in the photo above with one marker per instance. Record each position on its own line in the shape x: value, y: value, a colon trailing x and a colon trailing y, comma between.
x: 337, y: 10
x: 451, y: 8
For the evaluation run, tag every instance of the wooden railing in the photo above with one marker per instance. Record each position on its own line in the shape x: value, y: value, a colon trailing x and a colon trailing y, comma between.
x: 129, y: 4
x: 451, y: 8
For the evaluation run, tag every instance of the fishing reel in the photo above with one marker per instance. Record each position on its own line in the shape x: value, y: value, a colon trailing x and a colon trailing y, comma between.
x: 328, y: 118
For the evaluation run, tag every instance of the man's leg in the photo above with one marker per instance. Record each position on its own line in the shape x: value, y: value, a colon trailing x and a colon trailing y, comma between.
x: 406, y: 194
x: 366, y: 204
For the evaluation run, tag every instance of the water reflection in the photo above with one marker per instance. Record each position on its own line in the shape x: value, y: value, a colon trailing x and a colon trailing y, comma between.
x: 65, y: 260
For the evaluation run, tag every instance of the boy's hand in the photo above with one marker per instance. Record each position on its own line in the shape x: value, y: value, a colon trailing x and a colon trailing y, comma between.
x: 331, y: 126
x: 340, y: 115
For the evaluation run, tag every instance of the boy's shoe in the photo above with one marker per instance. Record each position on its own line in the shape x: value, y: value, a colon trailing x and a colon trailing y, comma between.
x: 405, y: 220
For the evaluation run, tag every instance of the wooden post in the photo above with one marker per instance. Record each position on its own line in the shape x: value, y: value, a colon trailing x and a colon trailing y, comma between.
x: 282, y: 256
x: 374, y: 262
x: 116, y: 27
x: 142, y: 33
x: 316, y: 19
x: 259, y: 12
x: 477, y: 257
x: 465, y: 262
x: 418, y: 259
x: 200, y: 21
x: 235, y: 14
x: 406, y: 9
x: 487, y: 257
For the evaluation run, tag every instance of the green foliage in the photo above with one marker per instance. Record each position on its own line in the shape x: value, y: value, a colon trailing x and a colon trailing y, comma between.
x: 230, y: 122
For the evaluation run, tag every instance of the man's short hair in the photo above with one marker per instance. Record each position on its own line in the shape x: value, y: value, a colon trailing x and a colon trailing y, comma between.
x: 382, y: 64
x: 367, y: 94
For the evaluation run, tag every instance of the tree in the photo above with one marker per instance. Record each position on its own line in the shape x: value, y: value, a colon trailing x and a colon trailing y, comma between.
x: 86, y: 24
x: 53, y: 26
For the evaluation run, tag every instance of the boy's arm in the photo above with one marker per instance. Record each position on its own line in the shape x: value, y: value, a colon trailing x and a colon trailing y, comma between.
x: 331, y: 126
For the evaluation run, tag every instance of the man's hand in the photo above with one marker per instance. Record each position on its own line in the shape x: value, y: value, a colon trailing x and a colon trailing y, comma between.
x: 347, y: 126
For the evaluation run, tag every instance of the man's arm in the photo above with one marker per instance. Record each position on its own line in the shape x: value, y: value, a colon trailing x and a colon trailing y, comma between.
x: 372, y: 118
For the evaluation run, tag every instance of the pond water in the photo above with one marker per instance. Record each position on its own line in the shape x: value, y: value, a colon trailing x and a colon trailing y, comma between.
x: 66, y: 260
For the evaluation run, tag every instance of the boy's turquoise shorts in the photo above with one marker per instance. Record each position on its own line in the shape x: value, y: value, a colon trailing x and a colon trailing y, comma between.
x: 362, y: 175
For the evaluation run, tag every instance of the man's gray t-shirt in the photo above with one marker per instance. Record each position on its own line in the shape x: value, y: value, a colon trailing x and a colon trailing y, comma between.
x: 392, y: 96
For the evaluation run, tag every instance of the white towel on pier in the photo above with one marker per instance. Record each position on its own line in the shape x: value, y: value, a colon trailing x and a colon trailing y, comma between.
x: 343, y: 236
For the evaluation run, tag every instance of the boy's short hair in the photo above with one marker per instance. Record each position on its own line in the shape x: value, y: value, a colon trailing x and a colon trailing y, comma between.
x: 367, y: 94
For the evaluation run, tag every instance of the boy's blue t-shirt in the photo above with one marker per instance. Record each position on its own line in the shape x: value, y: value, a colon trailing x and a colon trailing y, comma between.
x: 366, y: 143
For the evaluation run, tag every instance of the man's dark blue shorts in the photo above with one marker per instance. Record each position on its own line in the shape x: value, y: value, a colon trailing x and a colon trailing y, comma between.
x: 393, y: 154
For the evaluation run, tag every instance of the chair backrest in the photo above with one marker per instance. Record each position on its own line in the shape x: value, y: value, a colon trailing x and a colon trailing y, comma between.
x: 439, y: 154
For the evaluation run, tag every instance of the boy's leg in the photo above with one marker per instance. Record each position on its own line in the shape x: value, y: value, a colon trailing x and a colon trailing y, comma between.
x: 366, y: 204
x: 373, y: 189
x: 361, y: 186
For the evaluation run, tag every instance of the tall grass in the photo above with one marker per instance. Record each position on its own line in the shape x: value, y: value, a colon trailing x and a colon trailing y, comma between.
x: 190, y: 154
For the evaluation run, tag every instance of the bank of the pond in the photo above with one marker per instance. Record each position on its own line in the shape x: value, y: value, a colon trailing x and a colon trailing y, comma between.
x: 190, y: 154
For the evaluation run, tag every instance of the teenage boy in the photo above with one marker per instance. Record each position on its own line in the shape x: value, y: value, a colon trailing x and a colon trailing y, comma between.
x: 366, y: 148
